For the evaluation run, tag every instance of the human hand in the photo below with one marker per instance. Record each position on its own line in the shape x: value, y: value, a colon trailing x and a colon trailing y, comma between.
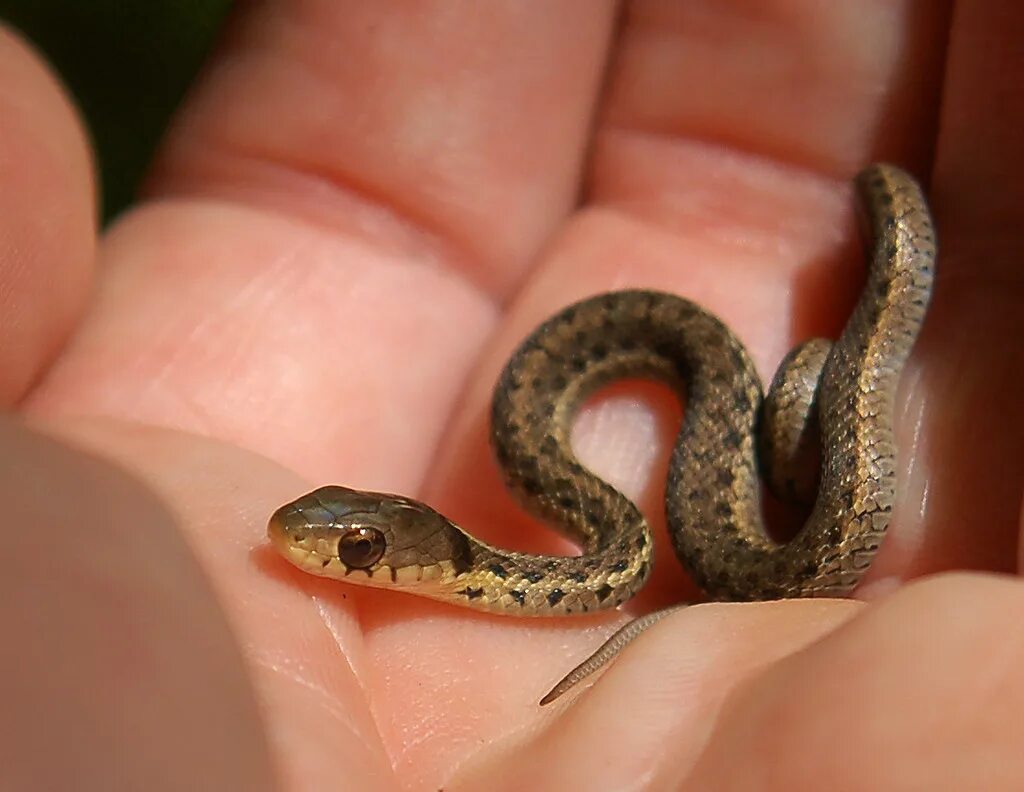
x: 360, y: 211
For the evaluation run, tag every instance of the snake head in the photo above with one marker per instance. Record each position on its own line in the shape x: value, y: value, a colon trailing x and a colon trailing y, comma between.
x: 372, y: 538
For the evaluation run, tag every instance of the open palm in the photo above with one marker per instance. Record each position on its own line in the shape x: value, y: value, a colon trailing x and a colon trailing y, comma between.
x: 360, y: 210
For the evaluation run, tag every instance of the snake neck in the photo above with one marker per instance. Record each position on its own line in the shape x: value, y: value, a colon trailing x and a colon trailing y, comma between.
x: 521, y: 584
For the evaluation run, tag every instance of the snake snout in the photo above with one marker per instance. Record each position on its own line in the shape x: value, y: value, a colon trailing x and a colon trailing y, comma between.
x: 291, y: 530
x: 277, y: 529
x: 299, y: 538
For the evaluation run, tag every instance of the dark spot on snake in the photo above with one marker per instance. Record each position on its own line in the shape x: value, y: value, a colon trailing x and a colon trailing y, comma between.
x: 551, y: 566
x: 593, y: 518
x: 578, y: 364
x: 568, y: 314
x: 566, y: 502
x: 530, y: 486
x: 472, y: 593
x: 533, y: 575
x: 518, y: 596
x: 619, y: 566
x: 559, y: 382
x: 726, y: 478
x: 665, y: 349
x: 534, y: 345
x: 461, y: 554
x: 498, y: 570
x: 325, y: 562
x: 603, y: 593
x: 579, y: 577
x: 599, y: 351
x: 641, y: 542
x: 555, y: 596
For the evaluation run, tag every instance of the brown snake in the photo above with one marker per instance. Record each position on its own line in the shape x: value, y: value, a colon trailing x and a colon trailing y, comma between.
x: 844, y: 392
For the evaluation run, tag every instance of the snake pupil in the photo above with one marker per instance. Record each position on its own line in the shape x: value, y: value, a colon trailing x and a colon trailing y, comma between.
x: 361, y: 547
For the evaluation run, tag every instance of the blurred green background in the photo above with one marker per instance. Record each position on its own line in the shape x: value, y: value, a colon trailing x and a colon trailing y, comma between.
x: 127, y: 63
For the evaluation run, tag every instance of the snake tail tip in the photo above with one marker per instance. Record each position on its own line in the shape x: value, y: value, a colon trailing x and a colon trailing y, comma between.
x: 550, y: 696
x: 564, y: 684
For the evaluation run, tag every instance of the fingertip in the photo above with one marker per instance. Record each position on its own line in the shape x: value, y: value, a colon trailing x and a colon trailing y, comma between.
x: 47, y: 216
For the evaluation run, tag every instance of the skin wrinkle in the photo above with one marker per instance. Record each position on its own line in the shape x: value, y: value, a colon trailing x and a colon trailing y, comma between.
x: 322, y: 694
x: 379, y: 220
x: 325, y: 614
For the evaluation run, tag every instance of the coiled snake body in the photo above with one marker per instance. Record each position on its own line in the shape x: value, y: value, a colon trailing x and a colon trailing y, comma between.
x: 713, y: 502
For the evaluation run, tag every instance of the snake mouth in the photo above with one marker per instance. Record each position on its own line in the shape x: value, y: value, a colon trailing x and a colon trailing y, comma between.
x: 300, y: 550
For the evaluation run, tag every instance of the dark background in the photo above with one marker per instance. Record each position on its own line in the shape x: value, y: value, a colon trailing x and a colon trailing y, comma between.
x: 127, y: 64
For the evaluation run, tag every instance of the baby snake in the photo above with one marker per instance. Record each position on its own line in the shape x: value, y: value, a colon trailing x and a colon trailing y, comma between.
x: 843, y: 392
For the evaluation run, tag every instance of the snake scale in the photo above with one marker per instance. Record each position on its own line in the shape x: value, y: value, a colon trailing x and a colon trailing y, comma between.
x: 843, y: 393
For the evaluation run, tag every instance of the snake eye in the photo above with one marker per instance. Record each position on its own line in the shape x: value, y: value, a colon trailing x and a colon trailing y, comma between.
x: 361, y: 547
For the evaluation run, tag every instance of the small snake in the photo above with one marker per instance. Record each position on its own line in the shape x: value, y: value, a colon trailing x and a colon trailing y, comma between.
x: 838, y: 398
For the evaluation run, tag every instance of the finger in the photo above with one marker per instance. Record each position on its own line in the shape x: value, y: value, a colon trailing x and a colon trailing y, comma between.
x: 304, y: 648
x: 117, y: 660
x: 663, y: 696
x: 965, y: 479
x: 775, y: 688
x: 952, y: 722
x: 265, y: 332
x: 336, y: 345
x: 47, y: 217
x: 822, y: 87
x: 431, y: 129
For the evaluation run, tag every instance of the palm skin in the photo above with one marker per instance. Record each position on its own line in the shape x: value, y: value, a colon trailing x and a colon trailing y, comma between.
x: 359, y: 212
